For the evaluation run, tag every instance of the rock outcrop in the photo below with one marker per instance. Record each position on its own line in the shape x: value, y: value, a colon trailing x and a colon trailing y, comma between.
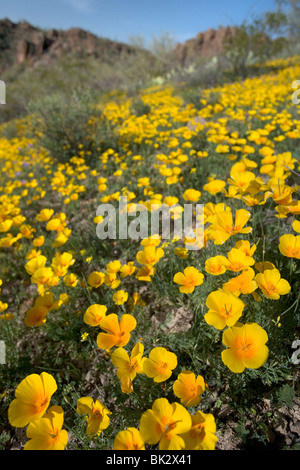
x: 22, y: 43
x: 25, y: 45
x: 207, y: 44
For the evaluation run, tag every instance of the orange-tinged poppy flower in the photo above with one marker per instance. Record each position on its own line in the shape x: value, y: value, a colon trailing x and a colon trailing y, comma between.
x: 42, y: 276
x: 189, y: 279
x: 242, y: 284
x: 113, y: 267
x: 96, y: 279
x: 238, y: 260
x: 296, y: 226
x: 244, y: 245
x: 27, y: 231
x: 261, y: 266
x: 153, y: 240
x: 33, y: 396
x: 46, y: 300
x: 164, y: 424
x: 145, y: 273
x: 61, y: 238
x: 3, y: 306
x: 44, y: 215
x: 271, y: 284
x: 225, y: 309
x: 128, y: 366
x: 35, y: 263
x: 36, y: 316
x: 214, y: 186
x: 94, y: 314
x: 192, y: 195
x: 292, y: 208
x: 9, y: 240
x: 39, y: 241
x: 223, y: 227
x: 54, y: 225
x: 160, y: 364
x: 120, y: 297
x: 150, y: 255
x: 246, y: 347
x: 5, y: 225
x: 135, y: 300
x: 46, y: 433
x: 210, y: 210
x: 33, y: 254
x: 281, y: 193
x: 18, y: 220
x: 241, y: 179
x: 63, y: 259
x: 189, y: 388
x: 289, y: 245
x: 127, y: 269
x: 130, y: 439
x: 70, y: 280
x: 181, y: 252
x: 117, y: 334
x: 216, y: 265
x: 202, y: 435
x: 97, y: 415
x: 111, y: 280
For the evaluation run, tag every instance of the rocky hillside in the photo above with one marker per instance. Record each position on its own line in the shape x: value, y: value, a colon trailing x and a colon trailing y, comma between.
x: 206, y: 44
x: 22, y: 43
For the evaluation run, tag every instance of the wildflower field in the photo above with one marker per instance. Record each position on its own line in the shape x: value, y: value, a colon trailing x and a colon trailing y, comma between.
x: 142, y: 343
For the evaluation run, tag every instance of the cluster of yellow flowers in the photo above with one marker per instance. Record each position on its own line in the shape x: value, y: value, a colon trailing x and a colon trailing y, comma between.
x: 168, y: 424
x: 173, y: 137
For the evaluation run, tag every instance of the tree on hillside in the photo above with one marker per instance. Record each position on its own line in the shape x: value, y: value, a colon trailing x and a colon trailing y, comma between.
x: 258, y: 41
x: 293, y: 19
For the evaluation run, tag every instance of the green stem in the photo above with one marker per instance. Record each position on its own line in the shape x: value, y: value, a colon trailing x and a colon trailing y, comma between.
x: 76, y: 435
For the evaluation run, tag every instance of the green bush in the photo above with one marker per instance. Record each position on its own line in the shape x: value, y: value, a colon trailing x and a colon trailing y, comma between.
x: 68, y: 125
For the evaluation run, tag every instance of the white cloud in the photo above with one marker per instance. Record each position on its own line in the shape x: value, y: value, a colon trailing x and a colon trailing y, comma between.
x: 84, y: 6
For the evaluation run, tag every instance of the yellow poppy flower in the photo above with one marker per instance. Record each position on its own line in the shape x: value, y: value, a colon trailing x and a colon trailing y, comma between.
x: 130, y: 439
x: 242, y: 284
x: 202, y: 435
x: 120, y: 297
x: 271, y: 284
x: 117, y: 334
x: 150, y: 255
x: 216, y: 265
x: 164, y: 424
x: 289, y: 245
x: 225, y: 309
x: 33, y: 396
x: 238, y: 260
x: 128, y: 366
x: 223, y: 227
x: 97, y: 415
x: 192, y: 195
x: 189, y: 388
x: 96, y: 279
x: 36, y: 316
x: 246, y: 347
x: 46, y: 433
x: 94, y: 314
x: 160, y: 364
x: 189, y: 279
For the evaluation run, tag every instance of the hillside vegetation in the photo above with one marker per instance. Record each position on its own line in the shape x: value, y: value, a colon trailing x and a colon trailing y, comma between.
x: 116, y: 327
x: 115, y: 333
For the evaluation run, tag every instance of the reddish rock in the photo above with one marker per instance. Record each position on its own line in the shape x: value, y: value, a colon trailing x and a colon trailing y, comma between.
x: 207, y: 44
x: 21, y: 43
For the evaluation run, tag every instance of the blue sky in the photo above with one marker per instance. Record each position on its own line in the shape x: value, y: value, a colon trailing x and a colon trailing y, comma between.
x: 120, y: 19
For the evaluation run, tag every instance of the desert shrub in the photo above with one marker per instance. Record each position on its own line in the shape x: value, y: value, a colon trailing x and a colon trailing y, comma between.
x: 66, y: 125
